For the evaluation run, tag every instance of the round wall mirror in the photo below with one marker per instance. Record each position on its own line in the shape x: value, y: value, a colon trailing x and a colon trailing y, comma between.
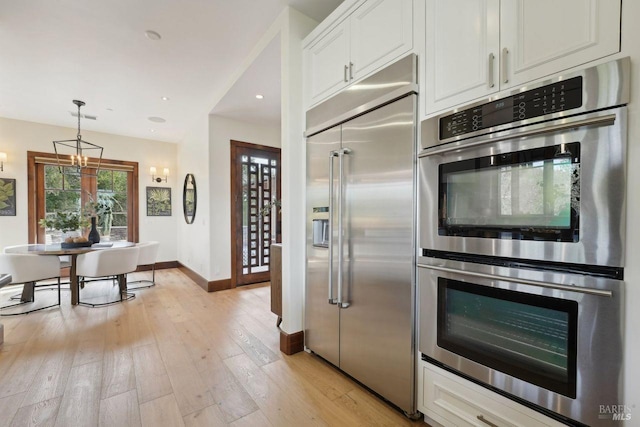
x: 189, y: 198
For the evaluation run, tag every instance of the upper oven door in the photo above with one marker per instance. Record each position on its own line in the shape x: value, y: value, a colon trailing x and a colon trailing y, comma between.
x: 552, y: 192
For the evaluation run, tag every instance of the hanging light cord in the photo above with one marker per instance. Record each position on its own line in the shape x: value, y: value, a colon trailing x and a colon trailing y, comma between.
x: 78, y: 137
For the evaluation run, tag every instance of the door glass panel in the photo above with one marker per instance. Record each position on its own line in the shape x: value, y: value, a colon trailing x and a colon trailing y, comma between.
x: 531, y: 337
x: 258, y: 179
x: 530, y: 194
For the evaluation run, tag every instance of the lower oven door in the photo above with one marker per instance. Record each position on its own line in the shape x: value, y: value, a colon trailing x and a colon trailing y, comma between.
x: 551, y: 340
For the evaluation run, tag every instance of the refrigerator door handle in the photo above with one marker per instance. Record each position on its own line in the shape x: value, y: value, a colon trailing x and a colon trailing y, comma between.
x: 332, y: 154
x: 341, y: 153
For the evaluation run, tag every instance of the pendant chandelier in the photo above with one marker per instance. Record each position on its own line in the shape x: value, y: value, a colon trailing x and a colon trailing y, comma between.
x: 83, y: 157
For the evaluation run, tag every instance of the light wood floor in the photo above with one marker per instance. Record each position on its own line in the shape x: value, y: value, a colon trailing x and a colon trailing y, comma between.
x: 174, y: 356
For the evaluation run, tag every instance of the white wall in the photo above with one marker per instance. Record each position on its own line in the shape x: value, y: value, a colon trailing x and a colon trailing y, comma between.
x: 17, y: 137
x: 295, y: 27
x: 221, y: 132
x: 194, y: 245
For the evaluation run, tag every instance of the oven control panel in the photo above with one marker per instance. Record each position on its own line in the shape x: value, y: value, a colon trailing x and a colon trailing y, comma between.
x: 556, y: 97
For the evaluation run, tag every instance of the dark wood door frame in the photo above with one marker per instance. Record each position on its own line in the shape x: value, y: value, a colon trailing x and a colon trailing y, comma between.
x: 236, y: 215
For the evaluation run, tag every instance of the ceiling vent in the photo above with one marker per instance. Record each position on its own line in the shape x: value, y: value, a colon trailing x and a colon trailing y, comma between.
x: 83, y: 116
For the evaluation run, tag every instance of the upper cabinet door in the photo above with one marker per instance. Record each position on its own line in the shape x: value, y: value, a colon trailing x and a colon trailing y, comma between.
x: 462, y: 51
x: 381, y: 30
x: 328, y: 64
x: 542, y: 37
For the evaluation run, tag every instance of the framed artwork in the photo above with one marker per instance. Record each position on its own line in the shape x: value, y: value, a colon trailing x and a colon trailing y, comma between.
x: 7, y: 197
x: 158, y: 201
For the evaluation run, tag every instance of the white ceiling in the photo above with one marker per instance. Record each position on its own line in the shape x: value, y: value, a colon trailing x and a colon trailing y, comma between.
x: 262, y: 77
x: 52, y: 52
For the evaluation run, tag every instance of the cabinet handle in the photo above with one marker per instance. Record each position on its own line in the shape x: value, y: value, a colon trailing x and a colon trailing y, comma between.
x: 345, y: 74
x: 503, y: 60
x: 350, y: 70
x: 491, y: 81
x: 487, y: 422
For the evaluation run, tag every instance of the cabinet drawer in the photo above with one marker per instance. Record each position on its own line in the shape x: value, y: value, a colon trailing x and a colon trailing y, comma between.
x: 453, y: 401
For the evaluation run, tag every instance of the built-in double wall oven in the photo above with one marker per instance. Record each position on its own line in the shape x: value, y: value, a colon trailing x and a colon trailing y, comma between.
x: 522, y: 224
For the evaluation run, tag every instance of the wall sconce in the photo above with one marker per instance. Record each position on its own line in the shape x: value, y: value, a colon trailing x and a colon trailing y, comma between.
x: 3, y: 158
x: 152, y: 172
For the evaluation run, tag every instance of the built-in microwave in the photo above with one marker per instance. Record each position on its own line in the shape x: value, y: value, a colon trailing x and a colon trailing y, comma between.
x: 538, y: 175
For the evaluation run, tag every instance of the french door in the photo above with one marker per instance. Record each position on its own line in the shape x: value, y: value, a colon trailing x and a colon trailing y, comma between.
x: 255, y: 210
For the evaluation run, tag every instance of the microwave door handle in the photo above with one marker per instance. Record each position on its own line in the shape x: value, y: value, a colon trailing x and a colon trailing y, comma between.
x: 570, y: 288
x: 343, y: 303
x: 332, y: 154
x: 607, y: 120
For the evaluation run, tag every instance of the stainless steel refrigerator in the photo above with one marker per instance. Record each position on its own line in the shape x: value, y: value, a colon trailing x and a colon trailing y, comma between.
x: 360, y: 293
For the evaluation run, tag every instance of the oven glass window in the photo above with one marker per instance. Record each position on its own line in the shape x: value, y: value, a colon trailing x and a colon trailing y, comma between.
x: 525, y: 195
x: 530, y: 337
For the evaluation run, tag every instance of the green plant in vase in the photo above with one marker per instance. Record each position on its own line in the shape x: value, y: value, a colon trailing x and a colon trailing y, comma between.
x: 65, y: 222
x: 102, y: 208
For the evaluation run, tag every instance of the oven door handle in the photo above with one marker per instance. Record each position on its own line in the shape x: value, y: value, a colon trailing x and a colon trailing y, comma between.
x: 570, y: 288
x: 607, y: 120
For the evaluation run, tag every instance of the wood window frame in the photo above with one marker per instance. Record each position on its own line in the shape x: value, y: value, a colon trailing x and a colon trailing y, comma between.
x: 36, y: 192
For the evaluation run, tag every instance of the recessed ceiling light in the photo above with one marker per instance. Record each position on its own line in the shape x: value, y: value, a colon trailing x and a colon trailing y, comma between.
x: 109, y: 109
x: 165, y: 98
x: 156, y: 119
x: 152, y: 35
x: 152, y: 130
x: 259, y: 96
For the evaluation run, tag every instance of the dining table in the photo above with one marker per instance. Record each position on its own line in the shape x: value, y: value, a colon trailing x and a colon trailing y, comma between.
x: 56, y: 249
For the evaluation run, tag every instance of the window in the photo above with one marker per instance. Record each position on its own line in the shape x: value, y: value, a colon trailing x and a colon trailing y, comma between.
x: 113, y: 194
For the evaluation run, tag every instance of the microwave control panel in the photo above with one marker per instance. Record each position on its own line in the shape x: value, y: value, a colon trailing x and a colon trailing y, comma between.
x: 553, y: 98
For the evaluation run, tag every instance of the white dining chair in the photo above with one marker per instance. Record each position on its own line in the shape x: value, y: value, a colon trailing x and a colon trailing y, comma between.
x: 148, y: 255
x: 107, y: 263
x: 27, y: 270
x: 65, y: 261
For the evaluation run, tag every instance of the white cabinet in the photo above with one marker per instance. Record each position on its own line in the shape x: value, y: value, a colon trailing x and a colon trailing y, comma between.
x: 374, y: 34
x: 478, y: 47
x: 381, y: 30
x: 328, y: 63
x: 547, y: 36
x: 462, y: 48
x: 452, y: 401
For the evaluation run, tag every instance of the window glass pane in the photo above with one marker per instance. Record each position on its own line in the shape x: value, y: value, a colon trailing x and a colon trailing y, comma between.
x: 71, y: 182
x: 105, y: 182
x: 120, y: 202
x: 52, y: 177
x: 62, y: 201
x: 61, y: 195
x: 120, y: 181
